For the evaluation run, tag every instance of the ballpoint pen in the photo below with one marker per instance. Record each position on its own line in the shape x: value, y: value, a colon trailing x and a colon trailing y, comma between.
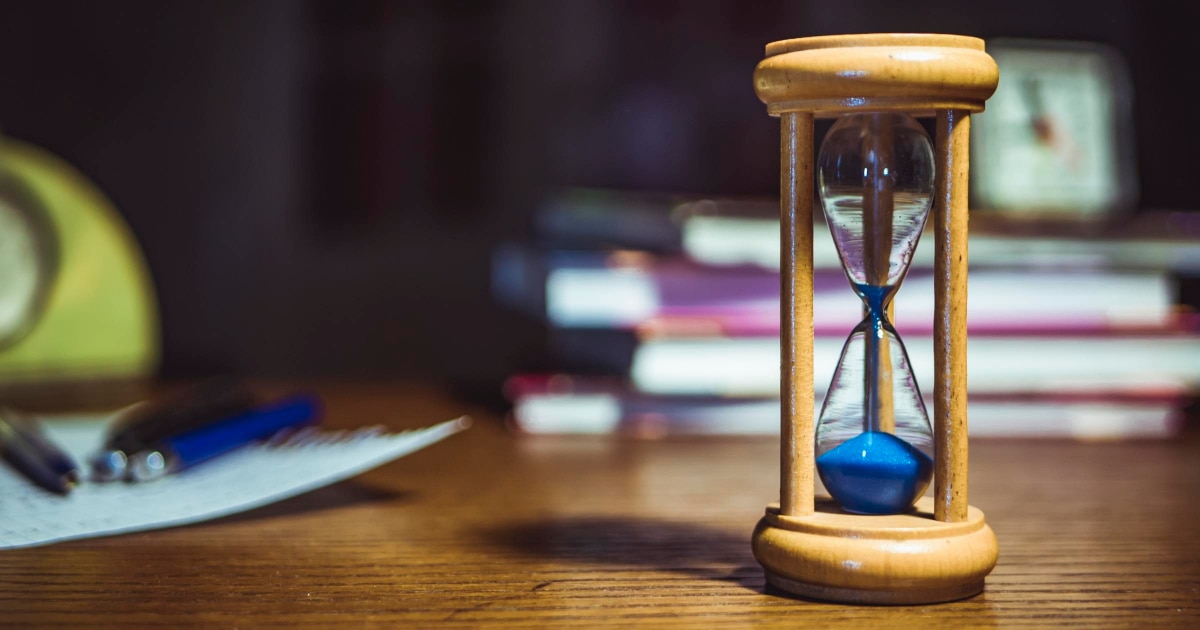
x: 184, y: 450
x: 146, y: 424
x: 34, y: 455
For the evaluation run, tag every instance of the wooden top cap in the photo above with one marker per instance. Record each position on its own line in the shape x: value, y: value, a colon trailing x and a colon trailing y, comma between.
x: 916, y: 73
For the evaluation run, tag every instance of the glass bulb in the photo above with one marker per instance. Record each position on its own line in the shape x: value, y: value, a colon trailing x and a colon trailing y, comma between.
x: 885, y: 468
x: 872, y: 165
x: 874, y: 443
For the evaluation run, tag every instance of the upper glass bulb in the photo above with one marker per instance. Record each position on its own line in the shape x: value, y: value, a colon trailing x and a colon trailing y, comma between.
x: 875, y: 178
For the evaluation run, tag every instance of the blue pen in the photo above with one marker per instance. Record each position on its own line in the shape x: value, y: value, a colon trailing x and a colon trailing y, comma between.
x: 34, y: 455
x: 143, y: 426
x: 188, y: 449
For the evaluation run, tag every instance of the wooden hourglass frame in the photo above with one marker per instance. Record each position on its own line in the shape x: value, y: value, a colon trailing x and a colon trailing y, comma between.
x: 942, y: 549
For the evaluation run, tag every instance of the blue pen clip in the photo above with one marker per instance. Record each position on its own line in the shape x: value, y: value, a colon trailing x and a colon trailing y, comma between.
x: 188, y: 449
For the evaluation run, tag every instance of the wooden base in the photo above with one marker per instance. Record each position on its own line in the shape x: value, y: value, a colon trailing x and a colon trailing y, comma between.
x: 859, y: 596
x: 897, y: 559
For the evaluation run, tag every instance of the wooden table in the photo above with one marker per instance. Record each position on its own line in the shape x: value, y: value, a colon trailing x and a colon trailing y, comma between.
x: 487, y: 528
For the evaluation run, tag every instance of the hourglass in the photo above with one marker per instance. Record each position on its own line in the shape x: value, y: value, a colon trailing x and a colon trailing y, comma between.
x: 875, y: 538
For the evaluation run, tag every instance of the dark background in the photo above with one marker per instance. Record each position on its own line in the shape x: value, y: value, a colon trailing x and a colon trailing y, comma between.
x: 318, y: 185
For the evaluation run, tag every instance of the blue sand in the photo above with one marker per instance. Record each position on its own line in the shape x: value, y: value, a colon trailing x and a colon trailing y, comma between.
x: 875, y: 473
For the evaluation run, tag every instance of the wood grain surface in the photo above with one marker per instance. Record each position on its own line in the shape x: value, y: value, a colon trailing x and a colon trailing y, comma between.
x: 490, y: 529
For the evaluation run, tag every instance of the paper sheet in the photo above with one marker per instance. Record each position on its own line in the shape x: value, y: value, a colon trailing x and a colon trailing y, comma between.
x: 247, y: 478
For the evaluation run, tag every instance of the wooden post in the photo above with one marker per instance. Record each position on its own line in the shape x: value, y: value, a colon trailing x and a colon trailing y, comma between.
x: 797, y: 465
x: 950, y: 316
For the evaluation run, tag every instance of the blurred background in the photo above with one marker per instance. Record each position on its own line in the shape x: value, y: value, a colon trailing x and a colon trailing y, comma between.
x: 319, y: 187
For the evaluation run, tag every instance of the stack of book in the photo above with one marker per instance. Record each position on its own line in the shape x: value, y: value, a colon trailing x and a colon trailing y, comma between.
x: 663, y: 318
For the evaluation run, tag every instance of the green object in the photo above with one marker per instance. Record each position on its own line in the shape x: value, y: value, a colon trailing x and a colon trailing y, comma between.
x: 98, y: 317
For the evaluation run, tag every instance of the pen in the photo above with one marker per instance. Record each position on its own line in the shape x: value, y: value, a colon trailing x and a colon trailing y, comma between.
x: 182, y: 451
x: 34, y: 455
x: 144, y: 425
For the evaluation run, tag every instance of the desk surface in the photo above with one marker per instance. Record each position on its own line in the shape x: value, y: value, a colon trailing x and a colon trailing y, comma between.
x: 486, y: 528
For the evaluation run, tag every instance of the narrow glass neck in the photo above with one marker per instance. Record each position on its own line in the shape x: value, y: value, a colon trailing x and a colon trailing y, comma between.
x: 875, y: 298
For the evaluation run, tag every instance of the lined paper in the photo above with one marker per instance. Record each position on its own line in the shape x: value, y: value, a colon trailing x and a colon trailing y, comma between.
x: 247, y: 478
